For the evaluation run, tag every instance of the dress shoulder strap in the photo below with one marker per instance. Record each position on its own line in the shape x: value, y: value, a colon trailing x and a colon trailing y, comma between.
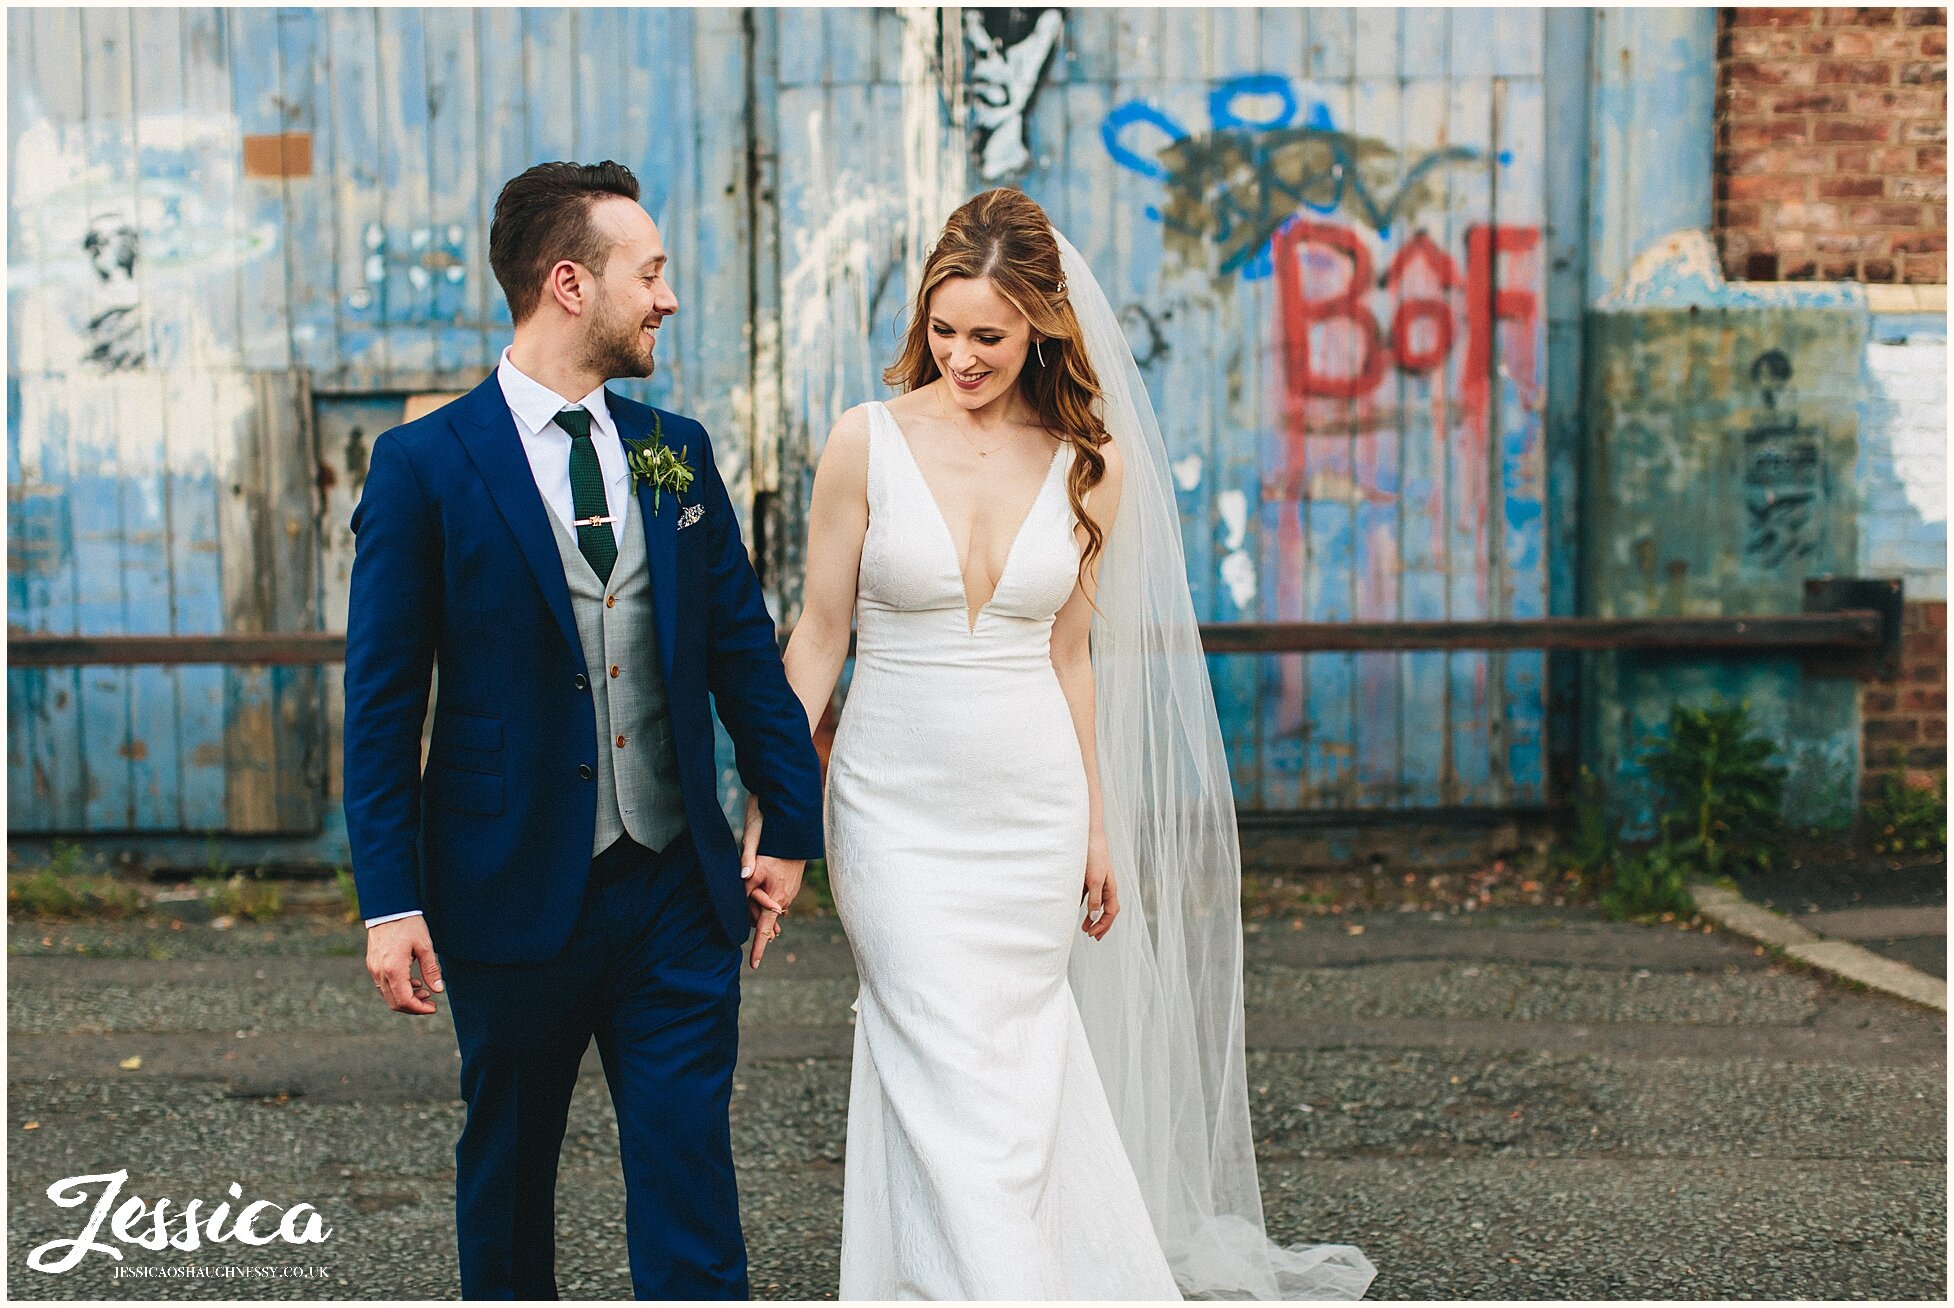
x: 878, y: 453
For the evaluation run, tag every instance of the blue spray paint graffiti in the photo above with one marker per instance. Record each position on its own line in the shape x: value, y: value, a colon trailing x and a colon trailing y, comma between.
x: 1238, y: 183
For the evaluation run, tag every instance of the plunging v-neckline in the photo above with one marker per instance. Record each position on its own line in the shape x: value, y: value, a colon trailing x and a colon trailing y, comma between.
x: 963, y: 586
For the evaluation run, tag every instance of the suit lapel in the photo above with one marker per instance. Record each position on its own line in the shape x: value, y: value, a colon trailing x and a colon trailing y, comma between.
x: 488, y: 433
x: 661, y: 529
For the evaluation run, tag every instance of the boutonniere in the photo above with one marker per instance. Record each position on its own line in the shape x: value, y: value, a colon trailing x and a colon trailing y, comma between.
x: 653, y: 461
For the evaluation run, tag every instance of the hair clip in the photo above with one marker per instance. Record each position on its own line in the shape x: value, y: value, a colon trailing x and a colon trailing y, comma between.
x: 1061, y: 287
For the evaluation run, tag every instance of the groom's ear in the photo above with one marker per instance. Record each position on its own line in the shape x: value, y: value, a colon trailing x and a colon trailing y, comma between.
x: 566, y: 284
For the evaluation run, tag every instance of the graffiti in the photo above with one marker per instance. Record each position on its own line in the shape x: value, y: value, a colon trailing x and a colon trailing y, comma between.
x: 1783, y: 475
x: 86, y: 222
x: 114, y: 334
x: 1464, y: 325
x: 1422, y: 284
x: 432, y: 261
x: 1237, y: 184
x: 1011, y: 48
x: 111, y: 244
x: 1143, y: 329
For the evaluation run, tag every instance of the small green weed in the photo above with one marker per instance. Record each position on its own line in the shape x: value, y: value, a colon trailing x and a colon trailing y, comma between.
x: 1648, y: 883
x: 1719, y: 804
x: 52, y: 894
x: 1722, y: 791
x: 241, y: 896
x: 1909, y: 819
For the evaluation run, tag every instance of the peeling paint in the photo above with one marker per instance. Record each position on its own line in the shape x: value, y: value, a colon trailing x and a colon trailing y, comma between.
x: 1237, y: 568
x: 935, y: 148
x: 1238, y: 574
x: 824, y: 291
x: 1684, y: 269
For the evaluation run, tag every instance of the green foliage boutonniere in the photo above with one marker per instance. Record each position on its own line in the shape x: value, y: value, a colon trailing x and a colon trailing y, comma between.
x: 653, y: 461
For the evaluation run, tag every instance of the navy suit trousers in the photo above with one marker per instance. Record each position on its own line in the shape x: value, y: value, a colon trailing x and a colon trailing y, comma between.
x: 649, y: 974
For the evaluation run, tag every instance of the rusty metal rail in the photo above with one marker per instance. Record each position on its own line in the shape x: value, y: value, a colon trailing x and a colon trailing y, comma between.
x: 1843, y: 634
x: 1852, y: 630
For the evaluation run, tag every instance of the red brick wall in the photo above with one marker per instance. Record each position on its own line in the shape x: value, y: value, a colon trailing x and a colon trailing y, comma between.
x: 1832, y: 144
x: 1909, y: 711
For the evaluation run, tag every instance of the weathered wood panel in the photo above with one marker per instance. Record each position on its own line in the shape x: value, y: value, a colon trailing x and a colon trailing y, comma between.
x: 214, y: 214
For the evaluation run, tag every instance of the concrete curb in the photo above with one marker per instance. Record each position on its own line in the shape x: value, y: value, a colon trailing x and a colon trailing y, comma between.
x: 1734, y: 913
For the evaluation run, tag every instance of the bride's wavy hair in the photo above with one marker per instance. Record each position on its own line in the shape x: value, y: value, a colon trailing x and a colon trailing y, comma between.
x: 1004, y: 235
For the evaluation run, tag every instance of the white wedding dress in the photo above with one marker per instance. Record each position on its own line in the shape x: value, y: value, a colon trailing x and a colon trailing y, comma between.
x: 983, y: 1157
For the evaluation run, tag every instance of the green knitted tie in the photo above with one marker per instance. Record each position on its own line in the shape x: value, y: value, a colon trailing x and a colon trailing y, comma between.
x: 595, y: 539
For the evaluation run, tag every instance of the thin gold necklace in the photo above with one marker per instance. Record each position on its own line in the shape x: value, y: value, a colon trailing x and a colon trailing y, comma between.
x: 958, y: 428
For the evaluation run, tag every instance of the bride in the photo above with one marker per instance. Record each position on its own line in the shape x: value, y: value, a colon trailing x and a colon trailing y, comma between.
x: 1029, y: 754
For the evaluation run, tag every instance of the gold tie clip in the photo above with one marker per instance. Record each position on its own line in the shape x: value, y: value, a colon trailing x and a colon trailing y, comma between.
x: 593, y: 522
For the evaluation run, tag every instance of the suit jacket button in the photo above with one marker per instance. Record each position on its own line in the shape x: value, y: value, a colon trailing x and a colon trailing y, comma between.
x: 582, y: 682
x: 586, y: 771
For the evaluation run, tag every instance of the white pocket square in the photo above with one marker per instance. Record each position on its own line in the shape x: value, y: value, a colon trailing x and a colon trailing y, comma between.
x: 690, y: 515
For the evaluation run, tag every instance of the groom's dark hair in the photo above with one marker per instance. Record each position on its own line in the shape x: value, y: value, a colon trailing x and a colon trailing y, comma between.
x: 542, y: 217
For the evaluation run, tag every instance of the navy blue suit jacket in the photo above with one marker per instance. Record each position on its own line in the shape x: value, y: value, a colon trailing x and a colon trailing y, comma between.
x: 455, y: 567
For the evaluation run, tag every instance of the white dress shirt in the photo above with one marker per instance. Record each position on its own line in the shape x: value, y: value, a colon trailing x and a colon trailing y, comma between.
x: 535, y: 407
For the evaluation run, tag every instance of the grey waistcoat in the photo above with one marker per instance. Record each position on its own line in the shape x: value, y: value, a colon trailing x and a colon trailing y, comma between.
x: 637, y: 762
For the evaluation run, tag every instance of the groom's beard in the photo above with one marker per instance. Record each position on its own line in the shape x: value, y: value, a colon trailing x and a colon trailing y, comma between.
x: 617, y: 345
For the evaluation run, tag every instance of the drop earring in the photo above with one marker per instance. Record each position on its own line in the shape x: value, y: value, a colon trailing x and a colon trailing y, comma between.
x: 1039, y: 346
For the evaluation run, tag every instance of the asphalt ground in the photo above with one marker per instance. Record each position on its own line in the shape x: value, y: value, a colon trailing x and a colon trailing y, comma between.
x: 1508, y: 1104
x: 1827, y: 892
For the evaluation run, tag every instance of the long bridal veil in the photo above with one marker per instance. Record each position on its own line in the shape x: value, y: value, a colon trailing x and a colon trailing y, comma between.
x: 1161, y: 996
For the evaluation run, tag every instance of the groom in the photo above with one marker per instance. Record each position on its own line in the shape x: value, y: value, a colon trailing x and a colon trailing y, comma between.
x: 564, y: 852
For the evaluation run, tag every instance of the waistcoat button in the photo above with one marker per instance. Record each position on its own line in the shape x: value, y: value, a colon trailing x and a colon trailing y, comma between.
x: 620, y: 742
x: 614, y: 669
x: 610, y: 601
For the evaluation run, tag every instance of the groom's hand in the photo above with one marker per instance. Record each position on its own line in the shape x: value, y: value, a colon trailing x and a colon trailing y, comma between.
x: 392, y: 949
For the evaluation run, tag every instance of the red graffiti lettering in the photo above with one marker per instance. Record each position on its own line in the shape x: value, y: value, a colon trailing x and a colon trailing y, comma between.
x: 1487, y: 301
x: 1301, y: 313
x: 1435, y: 310
x: 1420, y: 281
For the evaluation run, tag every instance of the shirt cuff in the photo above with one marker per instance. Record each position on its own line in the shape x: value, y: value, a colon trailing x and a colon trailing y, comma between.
x: 393, y: 917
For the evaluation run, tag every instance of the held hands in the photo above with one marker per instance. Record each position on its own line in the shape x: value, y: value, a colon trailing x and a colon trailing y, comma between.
x: 392, y: 948
x: 771, y: 884
x: 1102, y: 895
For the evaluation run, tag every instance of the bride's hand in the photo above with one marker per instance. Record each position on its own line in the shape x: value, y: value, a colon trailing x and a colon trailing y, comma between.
x: 1102, y: 894
x: 750, y: 838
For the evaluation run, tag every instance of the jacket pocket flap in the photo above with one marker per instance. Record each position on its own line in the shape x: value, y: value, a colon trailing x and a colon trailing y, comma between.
x: 469, y: 731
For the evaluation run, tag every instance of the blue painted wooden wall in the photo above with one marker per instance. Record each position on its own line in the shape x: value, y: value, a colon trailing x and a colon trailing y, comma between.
x: 1325, y: 228
x: 1365, y: 448
x: 183, y: 314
